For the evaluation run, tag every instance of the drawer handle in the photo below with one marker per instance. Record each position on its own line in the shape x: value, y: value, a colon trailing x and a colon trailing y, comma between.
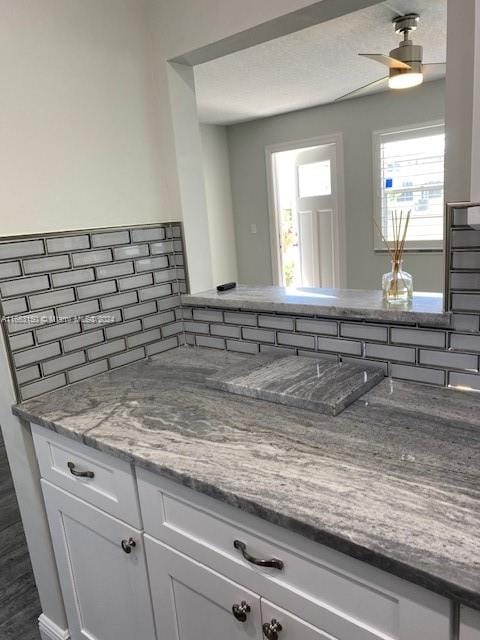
x: 128, y: 545
x: 271, y: 629
x: 241, y: 610
x: 273, y: 562
x: 79, y: 474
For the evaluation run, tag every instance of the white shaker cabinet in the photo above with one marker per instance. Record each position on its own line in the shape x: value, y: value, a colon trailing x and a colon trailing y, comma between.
x: 101, y: 565
x: 192, y: 602
x: 469, y: 624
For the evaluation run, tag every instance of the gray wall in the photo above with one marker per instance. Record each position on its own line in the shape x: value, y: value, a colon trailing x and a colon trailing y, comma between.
x: 356, y: 119
x: 219, y: 203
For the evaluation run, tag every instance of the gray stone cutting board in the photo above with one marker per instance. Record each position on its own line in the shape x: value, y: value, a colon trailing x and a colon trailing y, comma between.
x: 317, y: 384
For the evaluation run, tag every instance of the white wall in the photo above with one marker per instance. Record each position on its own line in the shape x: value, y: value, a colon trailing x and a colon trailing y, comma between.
x: 78, y: 119
x: 356, y: 119
x: 219, y: 203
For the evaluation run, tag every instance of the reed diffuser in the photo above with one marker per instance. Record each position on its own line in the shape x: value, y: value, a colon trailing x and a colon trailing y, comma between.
x: 397, y: 284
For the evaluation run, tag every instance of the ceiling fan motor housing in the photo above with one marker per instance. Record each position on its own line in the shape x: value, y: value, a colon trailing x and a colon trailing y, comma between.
x: 411, y: 54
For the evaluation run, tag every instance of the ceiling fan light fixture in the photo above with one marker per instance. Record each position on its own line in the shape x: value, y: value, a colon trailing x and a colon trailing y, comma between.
x: 405, y: 80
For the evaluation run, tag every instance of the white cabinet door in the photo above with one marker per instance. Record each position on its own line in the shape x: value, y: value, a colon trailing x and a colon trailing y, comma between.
x: 279, y: 624
x: 192, y: 602
x: 105, y: 589
x: 469, y: 624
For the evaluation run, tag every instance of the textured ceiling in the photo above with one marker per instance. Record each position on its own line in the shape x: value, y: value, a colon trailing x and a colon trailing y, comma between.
x: 313, y: 66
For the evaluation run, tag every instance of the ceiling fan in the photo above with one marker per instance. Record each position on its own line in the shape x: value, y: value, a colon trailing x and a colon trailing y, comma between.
x: 405, y: 62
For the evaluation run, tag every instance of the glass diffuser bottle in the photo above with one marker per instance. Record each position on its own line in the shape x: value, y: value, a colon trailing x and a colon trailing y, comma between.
x: 397, y: 284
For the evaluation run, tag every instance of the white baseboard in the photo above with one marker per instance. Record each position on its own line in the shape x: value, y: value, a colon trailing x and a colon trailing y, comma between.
x: 51, y: 631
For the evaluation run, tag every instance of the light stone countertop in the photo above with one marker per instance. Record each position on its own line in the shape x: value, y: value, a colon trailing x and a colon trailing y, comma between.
x: 425, y: 308
x: 394, y: 480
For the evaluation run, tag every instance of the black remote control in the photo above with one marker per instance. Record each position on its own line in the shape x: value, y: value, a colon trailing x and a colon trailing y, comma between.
x: 227, y: 286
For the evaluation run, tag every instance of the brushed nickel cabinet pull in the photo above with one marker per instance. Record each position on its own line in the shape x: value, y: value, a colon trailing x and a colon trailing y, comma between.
x: 79, y: 474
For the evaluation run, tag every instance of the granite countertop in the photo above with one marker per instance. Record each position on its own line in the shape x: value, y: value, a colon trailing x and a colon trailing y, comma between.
x: 425, y: 308
x: 394, y: 480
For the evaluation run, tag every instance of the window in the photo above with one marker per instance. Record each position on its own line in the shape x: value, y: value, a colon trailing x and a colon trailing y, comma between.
x: 409, y: 176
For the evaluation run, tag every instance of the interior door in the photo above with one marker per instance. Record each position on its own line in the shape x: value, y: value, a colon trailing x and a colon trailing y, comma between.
x: 192, y: 602
x: 286, y: 626
x: 105, y: 589
x: 317, y: 211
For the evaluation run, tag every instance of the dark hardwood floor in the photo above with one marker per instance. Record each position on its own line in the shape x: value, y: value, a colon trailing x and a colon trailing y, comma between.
x: 19, y: 603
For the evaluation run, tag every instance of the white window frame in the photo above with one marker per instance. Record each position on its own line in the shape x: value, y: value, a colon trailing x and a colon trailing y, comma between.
x: 403, y: 133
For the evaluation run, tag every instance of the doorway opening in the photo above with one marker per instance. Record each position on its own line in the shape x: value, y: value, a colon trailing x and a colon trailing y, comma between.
x: 306, y: 202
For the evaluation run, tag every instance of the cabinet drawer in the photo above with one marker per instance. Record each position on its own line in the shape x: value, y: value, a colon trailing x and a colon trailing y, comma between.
x: 331, y: 591
x: 110, y: 484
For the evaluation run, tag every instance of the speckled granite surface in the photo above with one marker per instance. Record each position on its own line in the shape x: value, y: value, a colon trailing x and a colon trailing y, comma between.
x: 394, y: 480
x: 424, y: 308
x: 317, y: 384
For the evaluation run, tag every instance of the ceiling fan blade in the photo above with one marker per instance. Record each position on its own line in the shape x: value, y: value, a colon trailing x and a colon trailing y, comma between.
x: 358, y: 91
x: 391, y: 63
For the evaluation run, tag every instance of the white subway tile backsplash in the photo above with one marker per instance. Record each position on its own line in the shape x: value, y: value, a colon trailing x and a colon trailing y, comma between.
x: 464, y: 380
x: 110, y: 238
x: 123, y: 329
x: 37, y: 354
x: 68, y: 243
x: 69, y: 278
x: 135, y: 282
x: 242, y: 347
x: 208, y: 315
x: 28, y: 374
x: 76, y: 276
x: 52, y: 299
x: 466, y: 281
x: 161, y: 247
x: 465, y: 238
x: 157, y: 291
x: 385, y: 352
x: 337, y: 345
x: 57, y: 331
x: 160, y: 347
x: 196, y: 327
x: 10, y: 270
x: 106, y: 349
x: 64, y: 362
x: 137, y: 310
x: 238, y: 317
x: 150, y: 264
x: 364, y: 332
x: 258, y: 335
x: 418, y: 374
x: 146, y: 234
x: 127, y: 357
x: 91, y: 257
x: 43, y: 386
x: 31, y: 320
x: 20, y: 286
x: 45, y: 265
x: 83, y: 340
x: 212, y: 343
x: 325, y: 327
x: 114, y: 270
x: 119, y: 300
x: 131, y: 251
x: 87, y: 371
x: 21, y: 341
x: 143, y: 338
x: 20, y: 249
x: 449, y: 359
x: 158, y: 320
x: 423, y: 338
x: 466, y: 322
x: 296, y: 340
x: 463, y: 342
x: 271, y: 322
x: 14, y: 306
x: 466, y: 259
x: 225, y: 331
x: 97, y: 289
x: 465, y: 302
x: 78, y: 309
